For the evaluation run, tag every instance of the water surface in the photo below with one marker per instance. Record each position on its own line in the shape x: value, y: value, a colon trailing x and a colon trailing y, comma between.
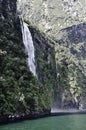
x: 68, y: 122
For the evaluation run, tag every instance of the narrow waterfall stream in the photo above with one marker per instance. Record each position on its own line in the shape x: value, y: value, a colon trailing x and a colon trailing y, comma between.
x: 29, y: 47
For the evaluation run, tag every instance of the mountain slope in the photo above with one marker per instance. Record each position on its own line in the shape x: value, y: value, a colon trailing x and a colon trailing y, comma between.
x: 71, y: 67
x: 53, y: 15
x: 21, y: 93
x: 64, y: 22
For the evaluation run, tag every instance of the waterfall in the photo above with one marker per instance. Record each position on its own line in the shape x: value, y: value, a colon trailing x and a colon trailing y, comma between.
x: 29, y: 47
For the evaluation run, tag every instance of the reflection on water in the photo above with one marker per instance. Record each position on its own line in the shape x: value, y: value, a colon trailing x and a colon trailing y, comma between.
x: 68, y: 122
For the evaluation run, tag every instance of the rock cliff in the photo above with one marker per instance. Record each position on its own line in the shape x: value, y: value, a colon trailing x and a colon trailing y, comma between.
x: 53, y: 15
x: 63, y: 21
x: 21, y: 93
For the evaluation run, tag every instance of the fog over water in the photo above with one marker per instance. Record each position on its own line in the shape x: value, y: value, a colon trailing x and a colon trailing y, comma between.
x: 54, y: 110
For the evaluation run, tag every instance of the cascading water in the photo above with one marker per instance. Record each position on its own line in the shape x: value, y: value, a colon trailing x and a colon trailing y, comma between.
x: 29, y: 47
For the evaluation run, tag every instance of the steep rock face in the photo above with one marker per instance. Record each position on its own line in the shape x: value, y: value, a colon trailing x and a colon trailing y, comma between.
x: 45, y: 62
x: 71, y: 66
x: 53, y: 15
x: 65, y: 21
x: 20, y: 92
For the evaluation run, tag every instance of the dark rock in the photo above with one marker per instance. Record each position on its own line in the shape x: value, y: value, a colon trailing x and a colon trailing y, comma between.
x: 17, y: 118
x: 76, y: 33
x: 8, y: 9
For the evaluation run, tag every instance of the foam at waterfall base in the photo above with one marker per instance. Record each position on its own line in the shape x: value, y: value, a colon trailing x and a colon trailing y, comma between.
x: 54, y: 110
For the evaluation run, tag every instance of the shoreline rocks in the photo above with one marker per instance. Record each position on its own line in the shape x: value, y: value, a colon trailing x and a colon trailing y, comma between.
x: 5, y: 119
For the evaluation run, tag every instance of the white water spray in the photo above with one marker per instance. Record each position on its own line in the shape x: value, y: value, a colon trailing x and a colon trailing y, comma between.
x: 29, y: 47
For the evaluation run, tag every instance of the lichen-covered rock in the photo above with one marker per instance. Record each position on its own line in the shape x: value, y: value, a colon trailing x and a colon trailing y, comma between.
x: 65, y: 21
x: 53, y: 15
x: 71, y: 66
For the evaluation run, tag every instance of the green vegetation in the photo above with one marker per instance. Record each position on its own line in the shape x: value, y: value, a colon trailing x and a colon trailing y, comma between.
x: 71, y: 65
x: 61, y: 68
x: 46, y: 65
x: 20, y: 91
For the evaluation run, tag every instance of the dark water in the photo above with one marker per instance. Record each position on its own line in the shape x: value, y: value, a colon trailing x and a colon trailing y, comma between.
x: 69, y: 122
